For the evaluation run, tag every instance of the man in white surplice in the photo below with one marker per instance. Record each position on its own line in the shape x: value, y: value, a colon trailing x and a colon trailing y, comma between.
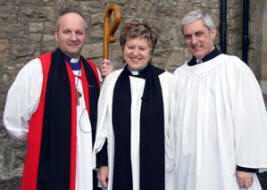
x: 221, y: 118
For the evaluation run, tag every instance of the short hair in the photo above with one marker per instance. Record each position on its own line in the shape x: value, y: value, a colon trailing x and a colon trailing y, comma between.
x: 66, y: 10
x: 195, y: 15
x: 136, y: 29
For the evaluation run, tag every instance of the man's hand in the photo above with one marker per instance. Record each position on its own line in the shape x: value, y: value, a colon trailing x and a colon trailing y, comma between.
x: 106, y: 67
x: 244, y: 179
x: 103, y: 176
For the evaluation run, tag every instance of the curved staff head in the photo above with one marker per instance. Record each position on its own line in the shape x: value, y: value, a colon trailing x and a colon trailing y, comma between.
x: 109, y: 33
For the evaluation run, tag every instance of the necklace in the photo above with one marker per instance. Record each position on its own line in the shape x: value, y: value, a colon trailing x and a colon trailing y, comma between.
x: 78, y: 93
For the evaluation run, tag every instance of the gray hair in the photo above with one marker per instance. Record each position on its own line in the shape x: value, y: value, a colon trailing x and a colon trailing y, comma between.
x: 197, y: 15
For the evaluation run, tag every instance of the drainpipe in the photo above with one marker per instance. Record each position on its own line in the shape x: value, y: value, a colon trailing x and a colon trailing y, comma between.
x: 223, y: 26
x: 245, y: 31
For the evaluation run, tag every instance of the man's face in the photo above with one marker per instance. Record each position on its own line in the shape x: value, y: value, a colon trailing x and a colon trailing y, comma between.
x: 71, y: 34
x: 199, y: 39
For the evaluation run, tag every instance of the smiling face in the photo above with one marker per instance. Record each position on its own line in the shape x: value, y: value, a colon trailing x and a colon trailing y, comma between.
x: 71, y: 34
x: 199, y: 39
x: 136, y: 53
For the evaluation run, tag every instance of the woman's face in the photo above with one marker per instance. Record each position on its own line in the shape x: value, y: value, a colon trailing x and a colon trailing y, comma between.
x: 136, y: 53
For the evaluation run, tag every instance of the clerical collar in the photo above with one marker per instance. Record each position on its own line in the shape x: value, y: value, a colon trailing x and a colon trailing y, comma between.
x: 74, y: 63
x: 215, y: 52
x: 135, y: 72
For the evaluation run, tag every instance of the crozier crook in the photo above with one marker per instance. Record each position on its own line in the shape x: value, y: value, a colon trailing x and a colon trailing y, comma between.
x: 109, y: 33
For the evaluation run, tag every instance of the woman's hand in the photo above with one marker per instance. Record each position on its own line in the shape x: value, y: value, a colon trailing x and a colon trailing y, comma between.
x: 103, y: 175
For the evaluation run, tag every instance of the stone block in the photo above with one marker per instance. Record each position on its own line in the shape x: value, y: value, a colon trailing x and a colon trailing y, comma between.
x: 91, y: 7
x: 27, y: 11
x: 183, y: 7
x: 264, y: 65
x: 12, y: 28
x: 264, y: 32
x: 264, y: 45
x: 48, y: 37
x: 195, y: 1
x: 187, y: 55
x: 49, y: 27
x: 160, y: 57
x: 263, y: 181
x: 176, y: 58
x: 4, y: 15
x: 36, y: 37
x: 22, y: 50
x: 10, y: 18
x: 97, y: 19
x: 4, y: 48
x: 48, y: 1
x: 49, y: 13
x: 234, y: 19
x: 210, y: 3
x: 36, y: 27
x: 233, y: 38
x: 12, y: 183
x: 47, y: 46
x: 9, y: 7
x: 116, y: 55
x: 92, y: 50
x: 145, y: 9
x: 234, y: 4
x: 95, y: 35
x: 164, y: 10
x: 256, y: 11
x: 263, y: 84
x: 39, y: 13
x: 4, y: 78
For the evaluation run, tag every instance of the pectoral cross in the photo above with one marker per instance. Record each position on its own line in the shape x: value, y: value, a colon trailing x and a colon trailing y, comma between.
x: 78, y: 95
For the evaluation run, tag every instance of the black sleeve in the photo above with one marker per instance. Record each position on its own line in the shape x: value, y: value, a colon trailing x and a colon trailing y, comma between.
x: 102, y: 157
x: 243, y: 169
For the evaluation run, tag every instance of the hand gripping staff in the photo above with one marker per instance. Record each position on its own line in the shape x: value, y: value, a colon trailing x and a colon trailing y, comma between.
x: 109, y: 33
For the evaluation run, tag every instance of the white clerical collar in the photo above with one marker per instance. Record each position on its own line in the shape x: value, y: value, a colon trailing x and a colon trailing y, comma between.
x: 70, y: 59
x: 134, y: 73
x: 198, y: 61
x: 73, y: 60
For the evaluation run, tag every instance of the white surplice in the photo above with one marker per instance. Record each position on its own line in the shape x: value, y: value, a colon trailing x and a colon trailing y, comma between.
x: 105, y: 127
x: 22, y: 101
x: 221, y: 123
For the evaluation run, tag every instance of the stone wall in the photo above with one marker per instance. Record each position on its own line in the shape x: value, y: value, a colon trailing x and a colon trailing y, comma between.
x: 263, y: 42
x: 26, y: 31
